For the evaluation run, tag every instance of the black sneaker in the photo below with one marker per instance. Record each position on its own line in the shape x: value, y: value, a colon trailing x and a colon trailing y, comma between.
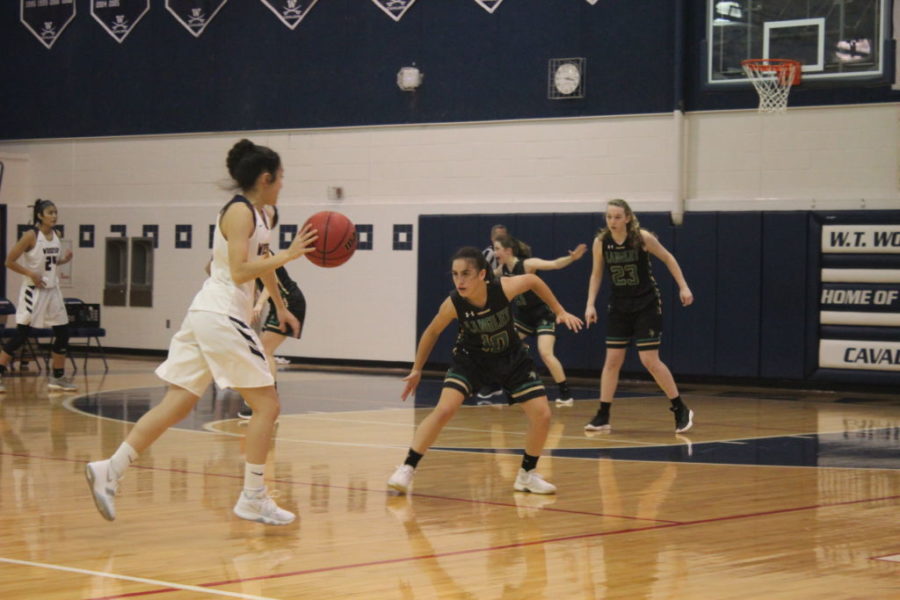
x: 684, y: 418
x: 245, y: 412
x: 598, y: 423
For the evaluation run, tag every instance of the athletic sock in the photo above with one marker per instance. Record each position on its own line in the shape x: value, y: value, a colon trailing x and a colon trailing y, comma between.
x: 604, y: 410
x: 564, y: 389
x: 253, y: 477
x: 413, y: 458
x: 57, y: 373
x: 122, y: 458
x: 676, y: 402
x: 529, y: 462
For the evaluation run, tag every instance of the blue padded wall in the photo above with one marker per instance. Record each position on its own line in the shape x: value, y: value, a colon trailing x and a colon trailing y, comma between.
x: 751, y: 316
x: 738, y: 273
x: 784, y: 296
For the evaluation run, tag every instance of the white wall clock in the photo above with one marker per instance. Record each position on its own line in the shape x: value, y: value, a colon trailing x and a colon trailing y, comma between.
x: 565, y: 78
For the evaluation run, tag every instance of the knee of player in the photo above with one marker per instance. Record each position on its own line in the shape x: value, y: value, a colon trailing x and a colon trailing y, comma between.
x: 650, y: 360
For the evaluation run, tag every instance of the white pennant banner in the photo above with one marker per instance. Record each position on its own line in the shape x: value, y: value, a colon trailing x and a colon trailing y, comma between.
x: 46, y: 20
x: 195, y: 15
x: 118, y: 17
x: 395, y: 9
x: 290, y: 12
x: 490, y: 5
x: 592, y: 1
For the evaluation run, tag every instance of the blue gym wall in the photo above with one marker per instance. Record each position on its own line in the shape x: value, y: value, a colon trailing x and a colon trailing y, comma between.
x: 248, y: 71
x: 755, y: 278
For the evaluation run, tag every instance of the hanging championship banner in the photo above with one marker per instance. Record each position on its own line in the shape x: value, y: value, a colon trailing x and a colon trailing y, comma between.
x: 46, y: 20
x: 290, y: 12
x: 489, y: 5
x: 395, y: 9
x: 592, y: 1
x: 195, y: 15
x: 118, y: 17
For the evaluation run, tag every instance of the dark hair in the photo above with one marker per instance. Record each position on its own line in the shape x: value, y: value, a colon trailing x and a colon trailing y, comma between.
x: 519, y: 248
x: 476, y: 258
x: 246, y: 161
x: 39, y: 207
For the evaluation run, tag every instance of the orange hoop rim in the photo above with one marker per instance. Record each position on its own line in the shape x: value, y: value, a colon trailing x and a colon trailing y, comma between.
x: 781, y: 66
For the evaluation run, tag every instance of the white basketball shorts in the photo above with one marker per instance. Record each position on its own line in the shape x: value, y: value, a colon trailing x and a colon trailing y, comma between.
x: 213, y: 346
x: 41, y: 307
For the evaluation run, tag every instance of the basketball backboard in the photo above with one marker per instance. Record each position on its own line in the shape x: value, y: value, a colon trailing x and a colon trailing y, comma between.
x: 833, y: 39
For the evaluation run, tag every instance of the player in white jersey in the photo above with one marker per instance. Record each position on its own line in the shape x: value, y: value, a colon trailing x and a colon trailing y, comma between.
x: 40, y: 300
x: 216, y: 342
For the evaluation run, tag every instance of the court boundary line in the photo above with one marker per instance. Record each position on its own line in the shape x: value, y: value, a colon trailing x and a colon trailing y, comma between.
x: 169, y: 586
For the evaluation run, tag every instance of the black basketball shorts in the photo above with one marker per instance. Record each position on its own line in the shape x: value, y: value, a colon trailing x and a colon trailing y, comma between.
x: 514, y: 372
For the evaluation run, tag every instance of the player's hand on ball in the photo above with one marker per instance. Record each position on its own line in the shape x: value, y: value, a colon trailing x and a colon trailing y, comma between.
x: 303, y: 242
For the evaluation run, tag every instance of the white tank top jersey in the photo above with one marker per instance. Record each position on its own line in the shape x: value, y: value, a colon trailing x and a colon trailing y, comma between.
x: 43, y: 258
x: 220, y: 294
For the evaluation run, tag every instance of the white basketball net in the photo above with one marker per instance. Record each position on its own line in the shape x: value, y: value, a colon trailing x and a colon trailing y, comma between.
x: 772, y: 80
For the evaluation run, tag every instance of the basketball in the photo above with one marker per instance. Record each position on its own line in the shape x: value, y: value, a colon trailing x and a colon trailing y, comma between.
x: 337, y: 239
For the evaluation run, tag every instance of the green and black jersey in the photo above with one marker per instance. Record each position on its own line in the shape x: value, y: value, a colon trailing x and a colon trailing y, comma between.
x: 529, y: 299
x: 628, y: 267
x: 487, y: 330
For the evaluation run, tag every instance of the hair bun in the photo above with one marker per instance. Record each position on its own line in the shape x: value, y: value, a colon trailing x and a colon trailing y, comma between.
x: 238, y: 152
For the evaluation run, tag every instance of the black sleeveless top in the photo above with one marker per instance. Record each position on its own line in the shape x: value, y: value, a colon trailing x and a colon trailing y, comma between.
x: 485, y: 331
x: 629, y: 270
x: 529, y: 299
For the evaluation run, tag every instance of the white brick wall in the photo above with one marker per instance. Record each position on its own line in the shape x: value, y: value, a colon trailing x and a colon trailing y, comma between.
x: 826, y: 158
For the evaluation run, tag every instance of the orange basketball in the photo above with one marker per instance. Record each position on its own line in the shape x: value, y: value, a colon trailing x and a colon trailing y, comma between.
x: 337, y: 239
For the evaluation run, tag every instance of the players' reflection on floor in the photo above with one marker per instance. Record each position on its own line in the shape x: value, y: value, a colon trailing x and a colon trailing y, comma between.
x: 623, y: 496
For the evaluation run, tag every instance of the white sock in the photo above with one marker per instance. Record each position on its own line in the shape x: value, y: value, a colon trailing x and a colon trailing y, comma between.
x: 122, y: 458
x: 253, y: 477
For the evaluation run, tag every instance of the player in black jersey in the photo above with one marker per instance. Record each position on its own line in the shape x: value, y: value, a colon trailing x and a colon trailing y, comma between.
x: 532, y: 315
x: 487, y: 351
x: 273, y: 331
x: 623, y: 249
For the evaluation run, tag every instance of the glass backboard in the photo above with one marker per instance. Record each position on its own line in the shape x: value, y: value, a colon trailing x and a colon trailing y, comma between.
x: 832, y: 39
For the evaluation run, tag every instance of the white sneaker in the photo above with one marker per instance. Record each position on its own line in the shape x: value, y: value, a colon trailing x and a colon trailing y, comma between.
x: 103, y: 486
x: 565, y: 401
x: 63, y: 384
x: 402, y: 478
x: 261, y: 508
x: 531, y: 481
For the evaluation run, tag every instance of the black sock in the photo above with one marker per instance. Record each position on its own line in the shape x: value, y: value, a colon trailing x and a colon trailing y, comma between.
x: 413, y: 458
x: 2, y: 369
x: 57, y: 373
x: 604, y: 410
x: 676, y: 402
x: 529, y: 462
x: 564, y: 392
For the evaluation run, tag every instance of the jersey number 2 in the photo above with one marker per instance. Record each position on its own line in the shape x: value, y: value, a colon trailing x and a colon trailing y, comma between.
x: 49, y: 262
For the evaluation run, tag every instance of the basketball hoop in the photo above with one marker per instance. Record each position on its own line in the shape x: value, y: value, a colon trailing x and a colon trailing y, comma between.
x: 772, y: 78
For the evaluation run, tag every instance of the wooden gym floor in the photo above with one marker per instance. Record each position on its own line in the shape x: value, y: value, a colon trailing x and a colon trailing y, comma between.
x: 773, y: 494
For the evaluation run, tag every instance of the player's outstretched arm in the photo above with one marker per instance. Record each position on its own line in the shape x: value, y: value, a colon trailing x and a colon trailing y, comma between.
x: 445, y: 315
x: 513, y: 286
x: 533, y: 265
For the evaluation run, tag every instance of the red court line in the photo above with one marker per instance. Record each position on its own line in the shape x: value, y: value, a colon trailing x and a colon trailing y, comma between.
x: 501, y: 547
